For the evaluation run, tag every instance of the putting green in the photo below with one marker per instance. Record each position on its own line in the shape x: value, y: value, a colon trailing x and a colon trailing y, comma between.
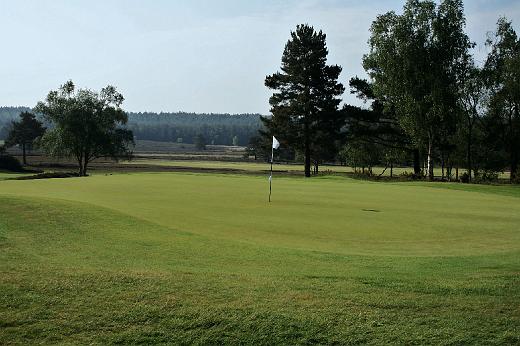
x: 332, y: 214
x: 204, y: 259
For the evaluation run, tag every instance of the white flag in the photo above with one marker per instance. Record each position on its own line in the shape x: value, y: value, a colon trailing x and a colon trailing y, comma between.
x: 276, y: 144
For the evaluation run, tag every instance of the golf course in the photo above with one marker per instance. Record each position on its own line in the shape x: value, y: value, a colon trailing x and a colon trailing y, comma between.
x: 202, y: 258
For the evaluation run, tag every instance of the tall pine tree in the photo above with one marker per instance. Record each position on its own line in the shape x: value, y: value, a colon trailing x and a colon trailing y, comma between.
x: 305, y: 101
x: 24, y: 132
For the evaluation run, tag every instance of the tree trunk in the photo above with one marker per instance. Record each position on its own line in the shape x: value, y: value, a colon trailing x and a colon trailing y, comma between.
x: 85, y: 164
x: 457, y: 173
x: 470, y: 143
x: 23, y: 154
x: 307, y: 150
x: 79, y: 158
x: 416, y: 162
x: 513, y: 150
x: 307, y: 159
x: 430, y: 159
x: 391, y: 170
x: 514, y: 166
x: 442, y: 166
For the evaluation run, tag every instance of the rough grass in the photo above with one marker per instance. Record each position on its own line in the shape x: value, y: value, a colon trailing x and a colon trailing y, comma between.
x: 253, y: 166
x: 192, y: 258
x: 259, y: 166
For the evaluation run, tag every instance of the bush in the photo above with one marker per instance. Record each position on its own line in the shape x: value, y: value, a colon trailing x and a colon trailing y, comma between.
x: 517, y: 179
x: 410, y: 176
x: 49, y: 176
x: 10, y: 163
x: 486, y: 176
x: 464, y: 178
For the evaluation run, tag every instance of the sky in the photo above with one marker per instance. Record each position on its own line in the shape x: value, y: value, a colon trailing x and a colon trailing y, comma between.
x: 203, y: 56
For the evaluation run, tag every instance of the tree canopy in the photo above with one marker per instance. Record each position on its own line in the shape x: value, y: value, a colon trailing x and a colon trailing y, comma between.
x: 305, y: 99
x: 24, y: 132
x: 85, y: 124
x: 416, y: 61
x: 502, y: 77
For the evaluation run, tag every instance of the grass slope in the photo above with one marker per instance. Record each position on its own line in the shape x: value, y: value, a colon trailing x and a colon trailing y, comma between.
x: 186, y: 258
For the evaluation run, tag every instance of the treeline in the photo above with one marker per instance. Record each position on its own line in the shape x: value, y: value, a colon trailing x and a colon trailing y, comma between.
x: 218, y: 129
x: 431, y: 103
x: 428, y: 102
x: 7, y: 116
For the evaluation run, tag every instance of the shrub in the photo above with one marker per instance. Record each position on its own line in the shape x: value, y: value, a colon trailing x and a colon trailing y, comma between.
x: 49, y: 175
x: 464, y: 178
x: 486, y: 176
x: 410, y: 176
x: 10, y: 163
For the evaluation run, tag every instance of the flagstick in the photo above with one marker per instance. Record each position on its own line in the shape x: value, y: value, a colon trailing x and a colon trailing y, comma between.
x: 271, y: 176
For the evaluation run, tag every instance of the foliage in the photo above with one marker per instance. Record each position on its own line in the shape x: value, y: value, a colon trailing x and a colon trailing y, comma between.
x: 24, y: 132
x: 218, y: 129
x: 7, y: 116
x: 168, y: 127
x: 258, y: 147
x: 378, y: 126
x: 361, y: 155
x: 486, y: 176
x: 9, y: 163
x: 502, y: 76
x: 200, y: 142
x: 472, y: 100
x: 86, y: 125
x: 305, y: 99
x: 416, y: 61
x: 5, y: 128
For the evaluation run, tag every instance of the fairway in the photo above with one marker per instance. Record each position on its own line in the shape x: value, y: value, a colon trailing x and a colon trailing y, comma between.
x: 171, y: 257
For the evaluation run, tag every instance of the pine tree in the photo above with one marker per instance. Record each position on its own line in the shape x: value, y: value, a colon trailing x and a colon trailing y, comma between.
x: 305, y: 102
x: 24, y: 132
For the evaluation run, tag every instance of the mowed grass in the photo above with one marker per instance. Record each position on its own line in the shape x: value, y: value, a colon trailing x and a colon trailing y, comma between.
x: 196, y: 258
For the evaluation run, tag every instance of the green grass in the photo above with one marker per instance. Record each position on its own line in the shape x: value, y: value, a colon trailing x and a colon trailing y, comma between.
x: 10, y: 175
x: 195, y: 258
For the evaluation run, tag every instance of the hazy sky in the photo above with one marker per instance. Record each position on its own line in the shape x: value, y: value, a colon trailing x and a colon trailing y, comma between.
x: 189, y: 55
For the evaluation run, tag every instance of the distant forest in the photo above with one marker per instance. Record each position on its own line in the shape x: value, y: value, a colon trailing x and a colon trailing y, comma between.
x: 219, y: 129
x: 224, y: 129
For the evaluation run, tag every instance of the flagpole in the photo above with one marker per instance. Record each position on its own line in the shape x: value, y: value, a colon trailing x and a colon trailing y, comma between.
x: 271, y: 176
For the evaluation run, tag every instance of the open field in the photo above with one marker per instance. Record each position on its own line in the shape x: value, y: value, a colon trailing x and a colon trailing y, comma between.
x: 169, y: 156
x: 259, y: 166
x: 198, y: 258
